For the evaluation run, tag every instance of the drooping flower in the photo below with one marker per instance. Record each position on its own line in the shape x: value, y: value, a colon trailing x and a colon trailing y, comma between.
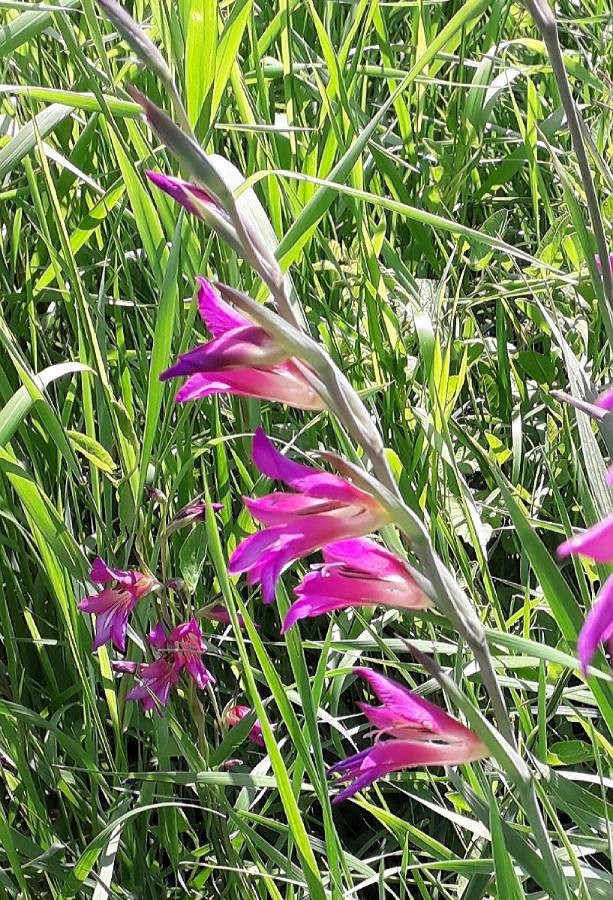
x: 112, y: 605
x: 242, y: 359
x: 422, y: 735
x: 184, y: 648
x: 597, y: 543
x: 356, y: 572
x: 155, y: 681
x: 235, y: 714
x: 324, y: 508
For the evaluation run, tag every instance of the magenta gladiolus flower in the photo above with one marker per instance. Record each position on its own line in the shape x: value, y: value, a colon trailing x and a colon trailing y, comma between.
x: 356, y: 572
x: 325, y: 508
x: 155, y: 681
x: 423, y: 735
x: 241, y: 359
x: 235, y: 714
x: 113, y: 605
x: 605, y: 401
x: 184, y: 648
x: 181, y: 649
x: 598, y: 627
x: 191, y: 196
x: 597, y: 543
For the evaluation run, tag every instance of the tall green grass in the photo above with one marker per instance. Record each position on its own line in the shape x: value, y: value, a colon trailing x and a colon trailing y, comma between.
x: 440, y: 246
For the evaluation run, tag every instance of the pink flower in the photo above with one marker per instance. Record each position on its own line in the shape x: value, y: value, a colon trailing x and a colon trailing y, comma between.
x: 191, y: 196
x: 598, y: 626
x: 605, y: 401
x: 181, y: 649
x: 155, y: 681
x: 184, y: 648
x: 325, y: 508
x: 241, y: 359
x: 423, y: 735
x: 113, y: 605
x: 597, y: 543
x: 357, y: 572
x: 234, y: 715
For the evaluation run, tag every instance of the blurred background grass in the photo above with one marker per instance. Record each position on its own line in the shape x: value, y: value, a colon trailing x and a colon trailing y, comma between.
x: 456, y: 341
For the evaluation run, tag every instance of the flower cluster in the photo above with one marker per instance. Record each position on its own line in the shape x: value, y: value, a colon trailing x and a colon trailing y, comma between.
x: 181, y: 649
x: 177, y: 651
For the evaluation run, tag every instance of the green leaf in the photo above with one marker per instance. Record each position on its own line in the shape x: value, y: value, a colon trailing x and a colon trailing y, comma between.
x: 508, y: 886
x: 539, y: 366
x: 26, y: 138
x: 92, y: 450
x: 191, y: 558
x: 17, y: 408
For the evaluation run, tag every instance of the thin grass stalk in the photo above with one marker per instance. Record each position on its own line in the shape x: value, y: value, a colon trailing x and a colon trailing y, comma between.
x: 546, y: 22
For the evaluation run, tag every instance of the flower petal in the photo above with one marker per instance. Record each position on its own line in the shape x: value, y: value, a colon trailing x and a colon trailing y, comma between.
x: 368, y: 556
x: 158, y: 637
x: 274, y: 464
x: 279, y: 508
x: 103, y: 629
x: 119, y: 629
x: 305, y: 479
x: 105, y: 600
x: 309, y: 606
x: 276, y: 384
x: 217, y: 315
x: 596, y: 542
x: 413, y: 712
x: 198, y: 672
x: 101, y: 573
x: 598, y: 626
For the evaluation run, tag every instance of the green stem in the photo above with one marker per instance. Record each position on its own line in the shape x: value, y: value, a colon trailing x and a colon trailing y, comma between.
x: 547, y: 25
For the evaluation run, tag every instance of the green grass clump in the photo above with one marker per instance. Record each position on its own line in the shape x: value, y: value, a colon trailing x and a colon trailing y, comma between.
x: 440, y: 246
